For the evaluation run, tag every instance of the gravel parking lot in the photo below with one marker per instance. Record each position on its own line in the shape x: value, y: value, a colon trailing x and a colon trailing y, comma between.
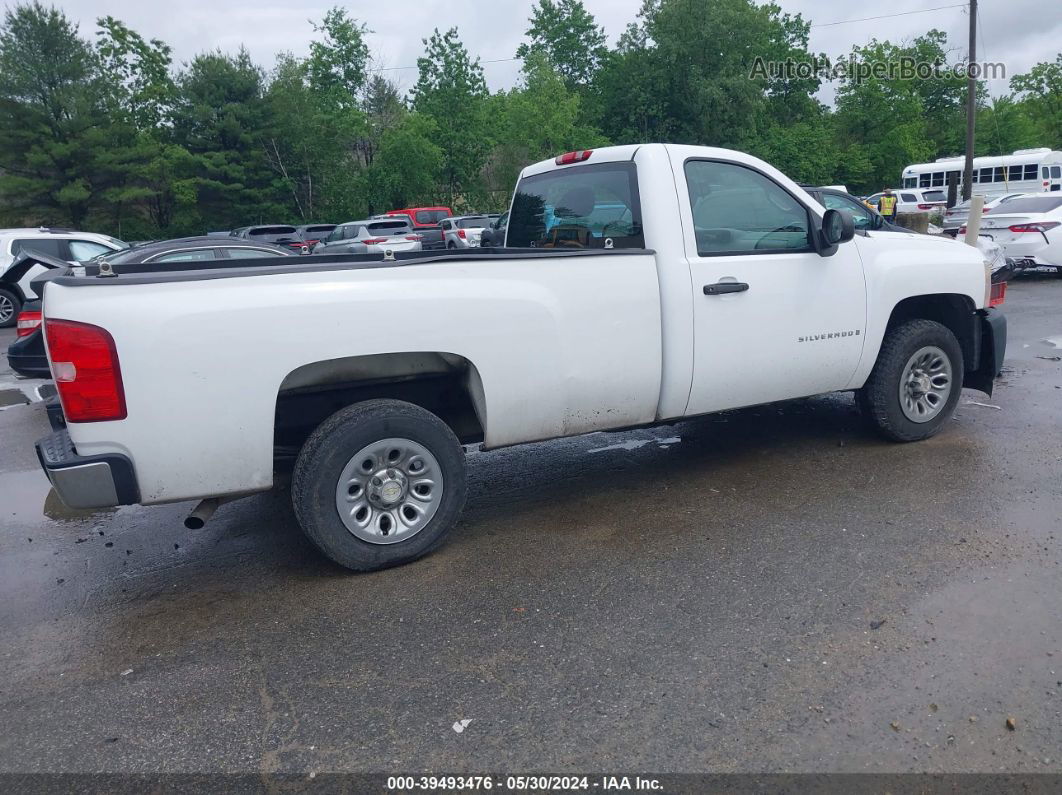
x: 767, y: 590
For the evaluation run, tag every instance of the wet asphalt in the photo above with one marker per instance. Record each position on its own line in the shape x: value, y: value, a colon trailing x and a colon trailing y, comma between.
x: 773, y: 589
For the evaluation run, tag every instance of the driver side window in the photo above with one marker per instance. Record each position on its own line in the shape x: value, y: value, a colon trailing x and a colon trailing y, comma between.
x: 737, y: 210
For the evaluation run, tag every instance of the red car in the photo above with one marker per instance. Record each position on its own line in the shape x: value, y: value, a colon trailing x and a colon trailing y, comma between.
x: 426, y: 223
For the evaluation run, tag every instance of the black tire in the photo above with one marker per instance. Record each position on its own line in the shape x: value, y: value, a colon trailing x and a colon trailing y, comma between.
x: 879, y: 398
x: 9, y: 302
x: 451, y: 244
x: 330, y: 448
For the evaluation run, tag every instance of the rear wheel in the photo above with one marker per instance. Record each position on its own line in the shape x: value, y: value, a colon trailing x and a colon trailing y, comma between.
x: 379, y: 484
x: 916, y: 382
x: 10, y: 306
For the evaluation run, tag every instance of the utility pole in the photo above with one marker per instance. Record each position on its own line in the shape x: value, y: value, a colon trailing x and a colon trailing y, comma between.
x: 971, y: 103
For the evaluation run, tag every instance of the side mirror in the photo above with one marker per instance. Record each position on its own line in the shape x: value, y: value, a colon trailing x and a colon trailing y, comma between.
x: 837, y: 227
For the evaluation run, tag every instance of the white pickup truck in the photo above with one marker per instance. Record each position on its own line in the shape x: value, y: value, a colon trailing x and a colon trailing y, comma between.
x: 640, y: 285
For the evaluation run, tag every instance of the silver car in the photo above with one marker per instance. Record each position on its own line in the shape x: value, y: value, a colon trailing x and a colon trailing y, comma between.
x: 371, y: 236
x: 464, y: 231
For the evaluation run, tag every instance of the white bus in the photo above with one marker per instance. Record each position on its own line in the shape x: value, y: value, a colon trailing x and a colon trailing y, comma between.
x: 1025, y: 171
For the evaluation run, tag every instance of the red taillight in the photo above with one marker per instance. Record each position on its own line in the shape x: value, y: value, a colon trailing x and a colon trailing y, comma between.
x: 925, y: 206
x: 985, y: 209
x: 27, y: 323
x: 85, y: 368
x: 1042, y: 226
x: 998, y: 294
x: 414, y: 237
x: 461, y: 234
x: 962, y: 230
x: 372, y: 241
x: 577, y: 156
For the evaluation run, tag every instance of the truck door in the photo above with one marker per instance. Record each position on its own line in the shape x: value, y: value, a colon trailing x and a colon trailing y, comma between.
x: 772, y: 318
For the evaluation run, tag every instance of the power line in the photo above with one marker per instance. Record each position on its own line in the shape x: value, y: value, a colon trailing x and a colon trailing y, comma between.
x: 886, y: 16
x: 814, y: 25
x: 399, y: 68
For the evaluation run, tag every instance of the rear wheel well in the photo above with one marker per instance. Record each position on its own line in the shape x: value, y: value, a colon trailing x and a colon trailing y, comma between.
x: 950, y: 310
x: 447, y: 385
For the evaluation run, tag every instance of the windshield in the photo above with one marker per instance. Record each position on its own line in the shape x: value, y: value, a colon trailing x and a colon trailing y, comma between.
x: 472, y: 223
x: 391, y: 228
x: 934, y: 196
x: 1033, y: 204
x: 578, y: 207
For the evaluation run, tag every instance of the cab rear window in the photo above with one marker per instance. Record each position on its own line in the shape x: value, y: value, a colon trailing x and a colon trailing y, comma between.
x: 590, y: 206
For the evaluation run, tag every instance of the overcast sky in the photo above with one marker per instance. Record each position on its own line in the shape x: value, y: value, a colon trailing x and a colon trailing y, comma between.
x: 1019, y: 33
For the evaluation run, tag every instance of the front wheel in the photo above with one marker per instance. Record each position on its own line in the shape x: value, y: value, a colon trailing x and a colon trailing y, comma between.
x: 379, y: 484
x: 916, y: 381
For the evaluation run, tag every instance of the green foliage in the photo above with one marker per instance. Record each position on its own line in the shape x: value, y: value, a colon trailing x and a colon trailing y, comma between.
x: 451, y: 90
x: 1040, y: 92
x: 106, y: 134
x: 567, y: 34
x: 539, y: 118
x: 338, y: 62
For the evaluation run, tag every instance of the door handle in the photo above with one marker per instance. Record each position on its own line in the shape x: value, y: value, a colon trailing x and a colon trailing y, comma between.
x: 725, y: 287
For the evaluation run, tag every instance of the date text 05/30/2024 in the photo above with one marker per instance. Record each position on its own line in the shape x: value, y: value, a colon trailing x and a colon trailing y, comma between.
x: 536, y: 783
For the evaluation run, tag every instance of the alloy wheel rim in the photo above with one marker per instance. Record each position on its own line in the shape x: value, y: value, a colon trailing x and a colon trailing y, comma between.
x: 925, y: 384
x: 7, y: 309
x: 389, y: 491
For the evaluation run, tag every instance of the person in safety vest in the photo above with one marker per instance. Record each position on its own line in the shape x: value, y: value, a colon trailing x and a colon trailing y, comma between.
x: 887, y: 205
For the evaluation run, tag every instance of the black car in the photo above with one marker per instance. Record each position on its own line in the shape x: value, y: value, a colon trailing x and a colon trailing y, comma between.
x: 26, y: 354
x: 494, y: 235
x: 863, y: 217
x: 312, y: 234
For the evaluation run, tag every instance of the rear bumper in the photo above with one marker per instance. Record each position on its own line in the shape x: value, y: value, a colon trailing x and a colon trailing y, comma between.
x: 97, y: 481
x: 27, y: 357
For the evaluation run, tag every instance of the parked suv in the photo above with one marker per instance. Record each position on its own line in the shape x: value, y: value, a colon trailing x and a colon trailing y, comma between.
x: 425, y: 222
x: 914, y: 200
x: 64, y: 244
x: 371, y: 236
x: 463, y: 231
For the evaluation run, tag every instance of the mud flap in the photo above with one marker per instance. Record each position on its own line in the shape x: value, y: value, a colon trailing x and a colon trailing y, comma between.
x: 992, y: 338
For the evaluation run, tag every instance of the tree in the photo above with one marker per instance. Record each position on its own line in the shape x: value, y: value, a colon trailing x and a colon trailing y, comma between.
x: 540, y: 118
x: 684, y: 73
x: 566, y: 33
x: 220, y: 120
x: 136, y: 73
x: 405, y: 170
x: 50, y: 114
x: 884, y: 117
x: 337, y: 63
x: 451, y: 90
x: 1040, y: 93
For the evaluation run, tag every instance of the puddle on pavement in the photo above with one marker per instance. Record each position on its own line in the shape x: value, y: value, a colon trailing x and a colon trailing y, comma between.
x: 12, y: 397
x: 634, y: 444
x: 29, y: 498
